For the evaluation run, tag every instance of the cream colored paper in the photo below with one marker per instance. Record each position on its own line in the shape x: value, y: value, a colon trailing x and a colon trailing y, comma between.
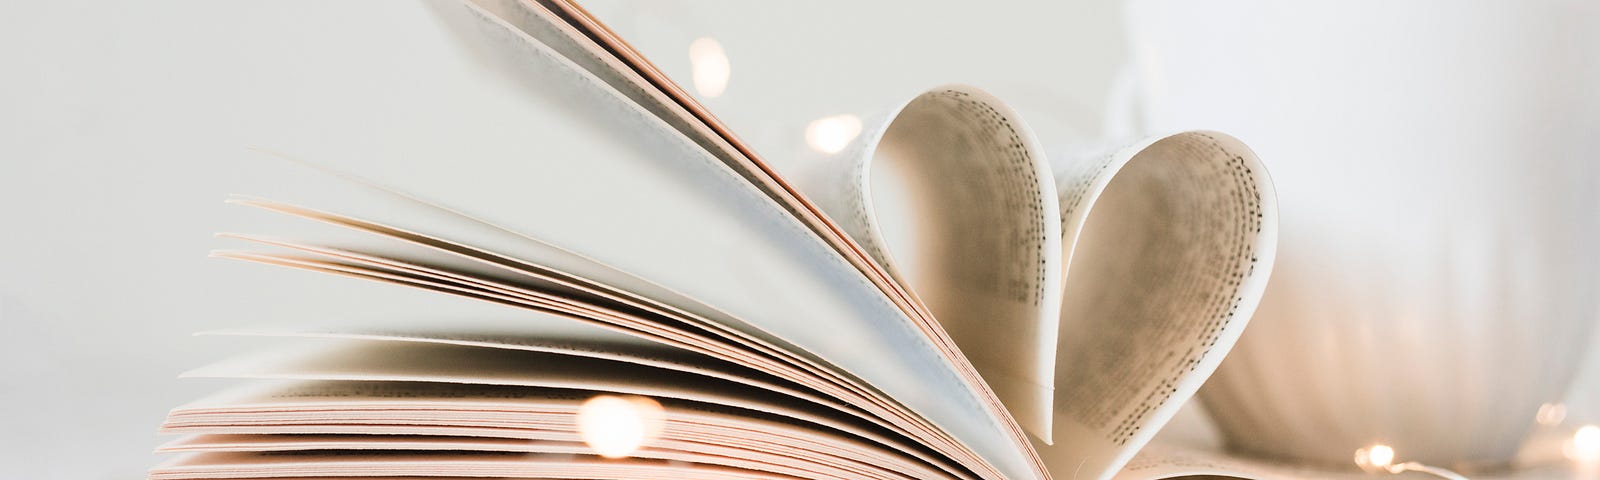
x: 522, y: 412
x: 1189, y: 222
x: 952, y: 195
x: 1167, y: 245
x: 744, y: 254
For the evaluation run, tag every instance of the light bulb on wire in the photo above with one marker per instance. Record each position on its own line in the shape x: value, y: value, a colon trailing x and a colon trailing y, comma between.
x: 1380, y: 458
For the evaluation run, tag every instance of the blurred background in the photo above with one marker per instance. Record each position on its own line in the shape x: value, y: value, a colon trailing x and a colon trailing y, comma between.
x: 121, y: 125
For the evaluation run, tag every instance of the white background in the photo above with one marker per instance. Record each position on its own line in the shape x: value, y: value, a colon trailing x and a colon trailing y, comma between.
x: 122, y: 125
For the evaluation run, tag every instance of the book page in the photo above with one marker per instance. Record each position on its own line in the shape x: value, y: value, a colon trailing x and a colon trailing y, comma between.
x: 465, y: 412
x: 545, y: 23
x: 393, y: 361
x: 423, y: 362
x: 611, y: 182
x: 600, y: 51
x: 552, y: 334
x: 745, y: 458
x: 953, y: 197
x: 1170, y: 244
x: 434, y: 264
x: 411, y: 464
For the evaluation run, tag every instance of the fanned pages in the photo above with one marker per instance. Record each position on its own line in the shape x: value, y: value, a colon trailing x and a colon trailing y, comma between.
x: 946, y: 298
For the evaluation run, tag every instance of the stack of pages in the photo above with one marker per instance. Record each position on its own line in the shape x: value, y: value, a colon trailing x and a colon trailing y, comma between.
x: 938, y: 301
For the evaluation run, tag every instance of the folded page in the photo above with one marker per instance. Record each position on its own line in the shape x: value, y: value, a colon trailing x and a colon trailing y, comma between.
x: 1169, y: 245
x: 951, y: 194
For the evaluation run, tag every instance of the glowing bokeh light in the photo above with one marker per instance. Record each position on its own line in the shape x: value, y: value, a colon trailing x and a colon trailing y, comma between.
x: 1380, y: 458
x: 1551, y: 414
x: 709, y: 67
x: 616, y: 426
x: 832, y: 134
x: 1375, y: 457
x: 1584, y: 446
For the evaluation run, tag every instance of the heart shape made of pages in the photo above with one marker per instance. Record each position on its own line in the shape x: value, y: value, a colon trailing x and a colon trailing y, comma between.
x: 1095, y: 297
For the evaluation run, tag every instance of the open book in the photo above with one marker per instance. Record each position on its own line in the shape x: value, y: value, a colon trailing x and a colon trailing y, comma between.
x: 939, y: 301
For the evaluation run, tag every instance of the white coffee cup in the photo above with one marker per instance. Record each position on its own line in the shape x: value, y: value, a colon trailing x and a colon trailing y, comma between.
x: 1438, y: 170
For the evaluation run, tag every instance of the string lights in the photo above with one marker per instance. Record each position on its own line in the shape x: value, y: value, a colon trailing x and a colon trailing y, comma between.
x: 1380, y: 458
